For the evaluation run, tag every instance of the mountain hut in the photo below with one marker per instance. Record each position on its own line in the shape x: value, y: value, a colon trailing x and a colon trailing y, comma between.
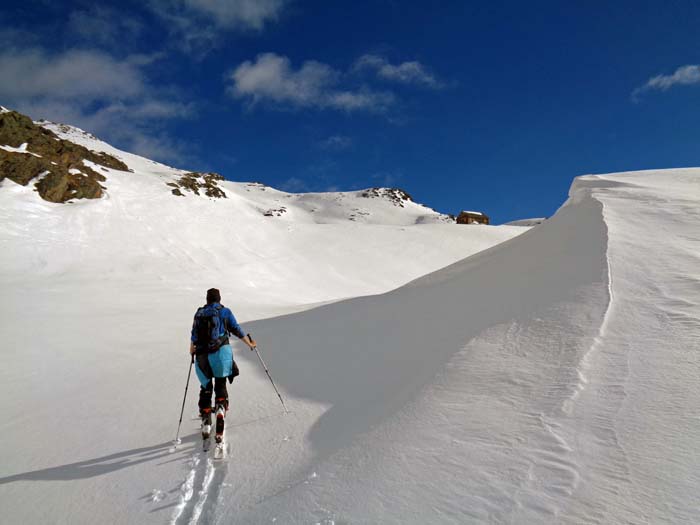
x: 472, y: 217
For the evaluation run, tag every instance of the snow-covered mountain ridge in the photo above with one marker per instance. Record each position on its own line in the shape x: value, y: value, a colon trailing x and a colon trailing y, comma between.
x: 368, y: 206
x: 166, y: 223
x: 65, y: 164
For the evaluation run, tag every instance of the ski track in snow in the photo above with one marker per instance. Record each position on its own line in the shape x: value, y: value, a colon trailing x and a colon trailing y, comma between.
x: 187, y: 490
x: 201, y: 489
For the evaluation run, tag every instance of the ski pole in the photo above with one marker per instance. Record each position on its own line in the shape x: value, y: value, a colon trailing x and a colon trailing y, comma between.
x: 182, y: 410
x: 268, y: 375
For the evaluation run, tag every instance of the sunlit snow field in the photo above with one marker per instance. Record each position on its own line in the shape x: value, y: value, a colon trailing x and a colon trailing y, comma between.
x: 549, y: 376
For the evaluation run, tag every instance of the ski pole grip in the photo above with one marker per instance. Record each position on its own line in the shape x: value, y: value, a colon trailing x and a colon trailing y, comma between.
x: 251, y: 340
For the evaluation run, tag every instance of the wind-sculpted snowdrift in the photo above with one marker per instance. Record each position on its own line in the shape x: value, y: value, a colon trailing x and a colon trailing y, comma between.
x: 550, y: 379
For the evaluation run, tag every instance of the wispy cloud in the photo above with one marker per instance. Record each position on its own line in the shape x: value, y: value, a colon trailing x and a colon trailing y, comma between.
x: 161, y: 146
x: 197, y: 24
x: 387, y: 179
x: 294, y: 185
x: 336, y: 143
x: 11, y: 37
x: 109, y: 97
x: 101, y: 25
x: 253, y: 14
x: 411, y: 72
x: 228, y: 14
x: 272, y: 79
x: 684, y: 75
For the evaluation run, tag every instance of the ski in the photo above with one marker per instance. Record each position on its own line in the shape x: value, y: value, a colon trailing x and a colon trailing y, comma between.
x: 220, y: 450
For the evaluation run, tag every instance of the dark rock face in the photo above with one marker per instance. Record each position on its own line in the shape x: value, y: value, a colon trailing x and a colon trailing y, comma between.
x: 395, y: 195
x: 195, y: 181
x: 56, y: 187
x: 59, y: 162
x: 176, y: 191
x: 20, y: 167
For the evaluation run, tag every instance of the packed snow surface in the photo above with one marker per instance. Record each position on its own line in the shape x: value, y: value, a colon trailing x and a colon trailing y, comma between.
x: 550, y: 378
x: 526, y: 222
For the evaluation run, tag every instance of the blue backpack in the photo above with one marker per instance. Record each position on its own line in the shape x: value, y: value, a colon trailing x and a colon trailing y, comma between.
x: 210, y: 329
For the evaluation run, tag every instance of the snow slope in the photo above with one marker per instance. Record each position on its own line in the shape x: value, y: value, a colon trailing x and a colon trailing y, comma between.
x: 320, y: 208
x: 526, y: 222
x: 97, y: 302
x: 551, y: 378
x: 318, y: 250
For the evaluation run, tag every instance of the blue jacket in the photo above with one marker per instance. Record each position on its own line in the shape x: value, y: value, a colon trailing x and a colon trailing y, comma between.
x: 228, y: 326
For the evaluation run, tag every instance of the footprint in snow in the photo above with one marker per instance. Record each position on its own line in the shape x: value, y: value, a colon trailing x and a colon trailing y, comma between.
x: 311, y: 477
x: 157, y: 495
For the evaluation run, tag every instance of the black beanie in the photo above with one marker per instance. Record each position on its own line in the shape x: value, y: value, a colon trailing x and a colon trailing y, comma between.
x: 213, y: 296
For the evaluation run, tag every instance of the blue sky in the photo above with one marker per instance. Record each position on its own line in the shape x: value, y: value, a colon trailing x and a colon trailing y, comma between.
x: 493, y: 106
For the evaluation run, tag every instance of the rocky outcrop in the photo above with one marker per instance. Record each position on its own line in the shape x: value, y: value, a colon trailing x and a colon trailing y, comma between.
x: 60, y: 187
x: 394, y: 195
x: 21, y: 167
x: 32, y: 152
x: 195, y: 182
x: 275, y: 212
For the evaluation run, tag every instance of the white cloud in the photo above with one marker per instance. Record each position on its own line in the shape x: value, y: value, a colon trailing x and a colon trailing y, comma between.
x: 412, y: 72
x: 89, y: 75
x: 684, y: 75
x: 271, y: 78
x: 108, y: 97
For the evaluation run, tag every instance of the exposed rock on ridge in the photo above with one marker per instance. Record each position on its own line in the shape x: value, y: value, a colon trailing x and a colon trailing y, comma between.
x: 395, y: 195
x: 58, y: 164
x: 195, y: 181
